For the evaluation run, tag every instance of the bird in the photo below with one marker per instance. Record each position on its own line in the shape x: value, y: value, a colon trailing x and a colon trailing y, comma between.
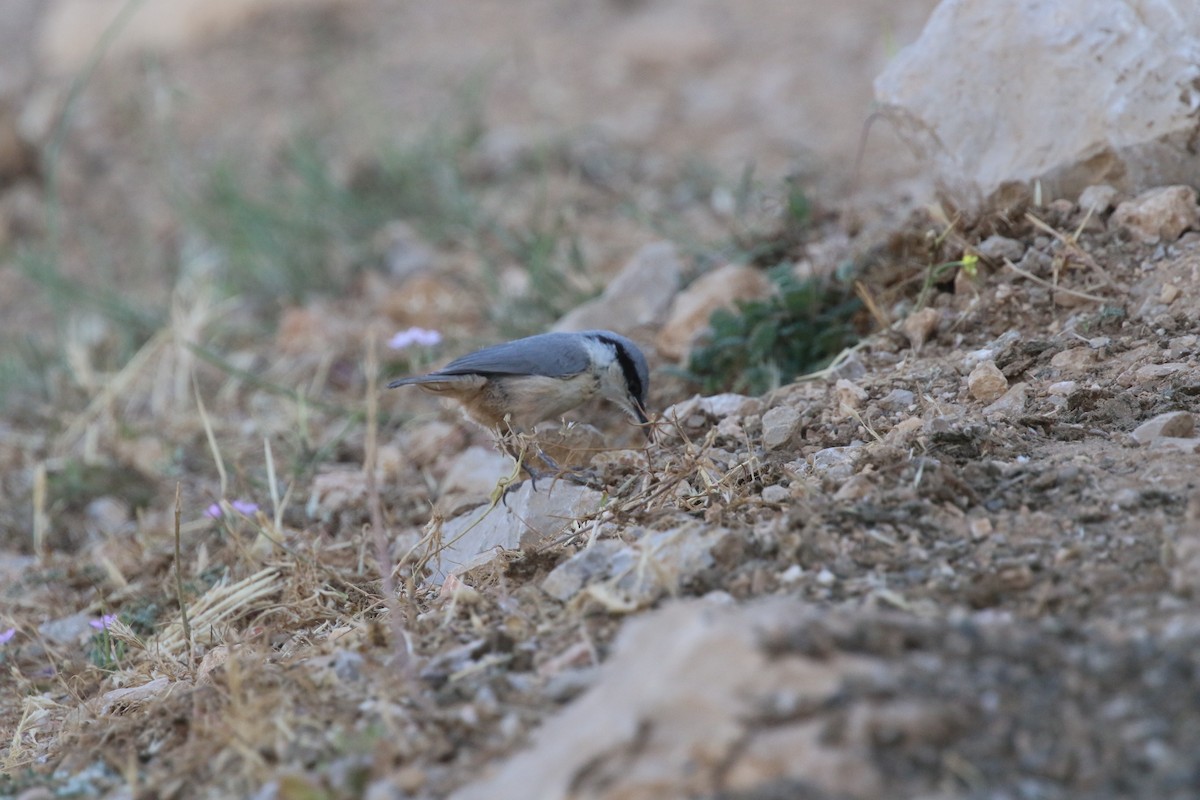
x: 510, y: 387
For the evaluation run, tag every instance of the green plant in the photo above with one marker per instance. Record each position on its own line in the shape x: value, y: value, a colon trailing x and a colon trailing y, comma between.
x: 936, y: 273
x: 766, y: 343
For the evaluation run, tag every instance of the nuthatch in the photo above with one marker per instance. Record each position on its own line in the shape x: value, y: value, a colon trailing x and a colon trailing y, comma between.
x: 517, y: 384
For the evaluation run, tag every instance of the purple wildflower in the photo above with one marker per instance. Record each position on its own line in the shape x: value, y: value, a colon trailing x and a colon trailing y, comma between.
x: 244, y: 507
x: 414, y: 336
x: 5, y: 636
x: 103, y: 623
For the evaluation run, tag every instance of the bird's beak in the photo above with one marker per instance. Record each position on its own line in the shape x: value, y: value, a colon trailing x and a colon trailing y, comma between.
x: 643, y: 420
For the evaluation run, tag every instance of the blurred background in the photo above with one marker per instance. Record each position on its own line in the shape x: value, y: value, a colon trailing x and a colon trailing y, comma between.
x: 270, y: 145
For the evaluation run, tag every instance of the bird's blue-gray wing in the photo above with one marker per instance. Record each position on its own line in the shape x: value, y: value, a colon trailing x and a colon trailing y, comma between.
x: 554, y: 355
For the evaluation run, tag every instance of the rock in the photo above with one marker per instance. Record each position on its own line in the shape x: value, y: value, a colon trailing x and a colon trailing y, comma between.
x: 424, y: 445
x: 1161, y: 214
x: 638, y: 296
x: 778, y: 425
x: 1097, y: 199
x: 998, y: 248
x: 68, y: 630
x: 1153, y: 372
x: 897, y: 400
x: 1176, y: 444
x: 568, y: 578
x: 1169, y: 293
x: 693, y: 307
x: 1179, y: 424
x: 993, y: 349
x: 776, y: 494
x: 698, y: 413
x: 851, y: 368
x: 569, y: 445
x: 856, y: 488
x: 108, y: 514
x: 1185, y: 566
x: 834, y: 464
x: 1011, y: 403
x: 336, y: 490
x: 526, y: 518
x: 71, y: 29
x: 18, y: 158
x: 849, y: 394
x: 125, y: 700
x: 471, y: 478
x: 670, y: 712
x: 404, y: 252
x: 1062, y: 388
x: 1067, y: 133
x: 919, y: 326
x: 617, y: 574
x: 1074, y: 361
x: 986, y: 382
x: 500, y: 152
x: 903, y: 430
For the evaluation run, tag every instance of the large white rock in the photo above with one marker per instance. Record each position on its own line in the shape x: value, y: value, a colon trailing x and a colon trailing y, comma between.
x: 639, y: 295
x: 1068, y: 92
x: 528, y: 517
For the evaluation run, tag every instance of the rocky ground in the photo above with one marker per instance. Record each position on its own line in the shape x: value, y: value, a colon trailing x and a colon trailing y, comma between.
x: 962, y: 559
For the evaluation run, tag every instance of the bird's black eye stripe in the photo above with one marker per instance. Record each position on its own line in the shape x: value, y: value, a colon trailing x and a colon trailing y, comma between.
x: 628, y: 368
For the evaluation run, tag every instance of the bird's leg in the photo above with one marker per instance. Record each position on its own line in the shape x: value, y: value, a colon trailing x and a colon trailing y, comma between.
x: 509, y: 482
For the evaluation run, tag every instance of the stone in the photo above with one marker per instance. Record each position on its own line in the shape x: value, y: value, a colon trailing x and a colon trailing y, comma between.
x: 776, y: 494
x: 1159, y: 215
x: 897, y: 400
x: 998, y: 248
x: 568, y: 578
x: 426, y: 444
x: 778, y: 425
x: 471, y: 477
x: 1178, y: 424
x: 528, y: 517
x: 1062, y: 388
x: 639, y: 295
x: 903, y: 430
x: 404, y: 252
x: 1066, y: 133
x: 1175, y: 443
x: 109, y: 515
x: 835, y: 463
x: 71, y: 29
x: 68, y: 630
x: 1098, y: 198
x: 919, y: 326
x: 1011, y: 402
x: 693, y: 675
x: 986, y: 383
x: 1154, y: 372
x: 697, y: 414
x: 692, y: 308
x: 1074, y: 361
x: 617, y: 573
x: 849, y: 394
x: 569, y: 445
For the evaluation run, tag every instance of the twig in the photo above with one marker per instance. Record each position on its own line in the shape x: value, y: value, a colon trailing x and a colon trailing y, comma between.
x: 1047, y: 284
x: 183, y: 614
x: 375, y: 507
